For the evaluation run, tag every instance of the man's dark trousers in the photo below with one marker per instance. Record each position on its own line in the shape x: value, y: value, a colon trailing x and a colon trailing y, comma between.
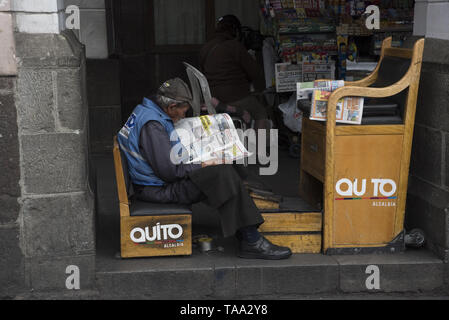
x: 221, y: 187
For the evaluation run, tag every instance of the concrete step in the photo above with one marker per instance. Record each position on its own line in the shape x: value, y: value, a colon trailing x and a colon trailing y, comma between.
x: 222, y: 275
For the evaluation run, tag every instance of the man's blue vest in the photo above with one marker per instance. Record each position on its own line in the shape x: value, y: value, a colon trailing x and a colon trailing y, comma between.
x: 140, y: 171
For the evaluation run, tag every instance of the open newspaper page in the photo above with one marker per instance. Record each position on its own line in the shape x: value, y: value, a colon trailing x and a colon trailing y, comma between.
x: 210, y: 137
x: 349, y: 109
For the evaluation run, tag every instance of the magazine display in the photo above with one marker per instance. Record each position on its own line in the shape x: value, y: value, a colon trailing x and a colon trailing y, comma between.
x: 304, y: 90
x: 349, y: 109
x: 318, y: 70
x: 210, y: 137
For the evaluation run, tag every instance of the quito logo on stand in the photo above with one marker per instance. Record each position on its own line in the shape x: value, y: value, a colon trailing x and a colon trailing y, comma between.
x: 158, y: 233
x: 356, y: 190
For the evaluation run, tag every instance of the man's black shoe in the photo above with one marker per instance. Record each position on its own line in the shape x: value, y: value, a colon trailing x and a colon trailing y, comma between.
x: 262, y: 249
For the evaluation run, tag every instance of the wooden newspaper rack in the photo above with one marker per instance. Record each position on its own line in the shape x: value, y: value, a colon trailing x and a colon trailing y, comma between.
x: 361, y: 171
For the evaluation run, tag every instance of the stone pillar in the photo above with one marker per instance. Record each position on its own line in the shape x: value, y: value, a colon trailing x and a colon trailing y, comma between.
x: 103, y: 75
x: 431, y: 19
x: 53, y: 215
x: 12, y: 263
x: 428, y: 197
x: 38, y: 16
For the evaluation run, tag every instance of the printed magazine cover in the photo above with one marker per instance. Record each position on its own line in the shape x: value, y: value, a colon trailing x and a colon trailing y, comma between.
x: 349, y: 109
x: 287, y: 75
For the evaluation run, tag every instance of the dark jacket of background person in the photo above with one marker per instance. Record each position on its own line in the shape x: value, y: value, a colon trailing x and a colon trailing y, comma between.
x: 229, y: 68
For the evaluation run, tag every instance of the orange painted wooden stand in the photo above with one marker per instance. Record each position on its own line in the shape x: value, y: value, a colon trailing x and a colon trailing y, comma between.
x: 361, y: 171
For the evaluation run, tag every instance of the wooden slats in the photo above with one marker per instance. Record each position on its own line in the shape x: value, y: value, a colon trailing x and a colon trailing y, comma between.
x: 300, y: 231
x: 369, y: 130
x: 291, y: 222
x: 265, y: 204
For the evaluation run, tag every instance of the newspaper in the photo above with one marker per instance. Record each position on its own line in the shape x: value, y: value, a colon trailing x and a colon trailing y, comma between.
x: 349, y: 109
x: 210, y: 137
x: 287, y: 75
x: 318, y: 70
x: 304, y: 90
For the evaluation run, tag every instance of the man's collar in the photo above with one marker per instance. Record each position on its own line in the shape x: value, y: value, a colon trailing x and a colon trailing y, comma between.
x: 151, y: 104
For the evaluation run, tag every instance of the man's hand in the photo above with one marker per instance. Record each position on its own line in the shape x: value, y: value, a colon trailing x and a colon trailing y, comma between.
x: 212, y: 162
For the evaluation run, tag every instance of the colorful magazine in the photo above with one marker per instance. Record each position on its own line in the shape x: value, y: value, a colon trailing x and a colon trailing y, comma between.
x: 349, y: 109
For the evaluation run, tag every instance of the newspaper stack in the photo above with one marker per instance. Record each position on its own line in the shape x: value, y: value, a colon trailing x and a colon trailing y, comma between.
x: 349, y: 109
x: 210, y: 137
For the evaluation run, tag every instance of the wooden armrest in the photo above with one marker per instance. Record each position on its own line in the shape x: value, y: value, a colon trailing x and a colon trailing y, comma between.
x: 365, y: 82
x: 119, y: 174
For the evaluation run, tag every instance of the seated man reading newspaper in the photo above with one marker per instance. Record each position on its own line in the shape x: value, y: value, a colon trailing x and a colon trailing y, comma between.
x: 149, y: 141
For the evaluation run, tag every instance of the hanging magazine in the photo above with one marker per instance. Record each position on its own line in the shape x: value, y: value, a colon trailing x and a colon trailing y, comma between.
x: 210, y: 137
x: 349, y: 109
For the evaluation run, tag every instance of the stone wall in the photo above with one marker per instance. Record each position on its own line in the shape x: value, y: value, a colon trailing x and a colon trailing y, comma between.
x: 38, y: 16
x: 428, y: 193
x: 11, y: 255
x: 12, y: 262
x: 57, y: 217
x: 431, y: 19
x: 47, y: 206
x: 7, y: 62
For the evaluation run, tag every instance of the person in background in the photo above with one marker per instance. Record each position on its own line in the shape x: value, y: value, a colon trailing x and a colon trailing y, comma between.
x: 145, y: 141
x: 230, y: 71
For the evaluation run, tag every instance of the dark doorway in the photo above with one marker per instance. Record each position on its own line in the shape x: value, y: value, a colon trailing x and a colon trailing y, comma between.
x: 151, y: 39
